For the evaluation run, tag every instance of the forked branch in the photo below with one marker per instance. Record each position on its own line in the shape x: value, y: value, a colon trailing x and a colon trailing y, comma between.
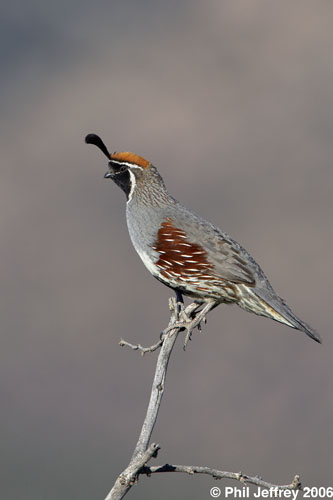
x: 187, y: 319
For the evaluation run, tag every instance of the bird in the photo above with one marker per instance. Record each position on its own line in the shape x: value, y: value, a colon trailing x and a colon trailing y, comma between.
x: 187, y: 253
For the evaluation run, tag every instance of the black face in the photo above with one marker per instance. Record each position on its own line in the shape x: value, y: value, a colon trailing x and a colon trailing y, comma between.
x: 117, y: 171
x: 120, y: 175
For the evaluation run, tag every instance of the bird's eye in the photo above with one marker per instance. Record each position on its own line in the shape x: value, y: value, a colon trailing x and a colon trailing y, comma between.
x: 123, y: 168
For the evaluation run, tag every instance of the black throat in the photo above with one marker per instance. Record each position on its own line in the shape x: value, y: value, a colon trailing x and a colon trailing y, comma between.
x: 124, y: 181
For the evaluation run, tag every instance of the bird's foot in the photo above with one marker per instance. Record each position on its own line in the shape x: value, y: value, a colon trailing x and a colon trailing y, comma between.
x: 189, y: 319
x: 183, y: 315
x: 196, y: 322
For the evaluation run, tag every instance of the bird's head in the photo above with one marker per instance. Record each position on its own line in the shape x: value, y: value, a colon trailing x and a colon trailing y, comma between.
x: 128, y: 170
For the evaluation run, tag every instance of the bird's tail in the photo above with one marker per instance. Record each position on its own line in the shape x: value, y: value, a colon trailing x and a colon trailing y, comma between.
x: 275, y: 308
x: 295, y: 322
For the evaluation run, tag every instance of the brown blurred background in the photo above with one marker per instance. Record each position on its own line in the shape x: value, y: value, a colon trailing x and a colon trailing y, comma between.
x: 232, y: 101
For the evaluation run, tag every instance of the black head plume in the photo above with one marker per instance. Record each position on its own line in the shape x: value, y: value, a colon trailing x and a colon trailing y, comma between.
x: 97, y: 141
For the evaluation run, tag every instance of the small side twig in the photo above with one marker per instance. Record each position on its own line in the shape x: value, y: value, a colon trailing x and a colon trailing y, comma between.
x: 139, y: 347
x: 218, y: 474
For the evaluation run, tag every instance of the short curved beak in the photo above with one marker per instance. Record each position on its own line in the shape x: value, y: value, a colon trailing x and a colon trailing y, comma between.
x: 112, y: 171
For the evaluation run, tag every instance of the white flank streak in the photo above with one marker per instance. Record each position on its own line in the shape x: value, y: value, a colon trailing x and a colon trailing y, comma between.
x: 167, y: 239
x: 180, y: 263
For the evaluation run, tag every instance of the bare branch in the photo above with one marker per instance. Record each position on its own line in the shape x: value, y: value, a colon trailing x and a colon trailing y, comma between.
x: 157, y: 387
x: 142, y: 453
x: 218, y: 474
x: 187, y: 319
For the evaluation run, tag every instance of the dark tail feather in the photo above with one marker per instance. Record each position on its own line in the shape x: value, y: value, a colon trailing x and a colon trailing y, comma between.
x: 300, y: 325
x: 278, y: 309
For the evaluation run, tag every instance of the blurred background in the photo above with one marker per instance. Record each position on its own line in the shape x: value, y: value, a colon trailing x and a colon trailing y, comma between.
x: 232, y: 101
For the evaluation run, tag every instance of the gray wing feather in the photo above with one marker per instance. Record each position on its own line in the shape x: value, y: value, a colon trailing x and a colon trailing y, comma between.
x: 231, y: 260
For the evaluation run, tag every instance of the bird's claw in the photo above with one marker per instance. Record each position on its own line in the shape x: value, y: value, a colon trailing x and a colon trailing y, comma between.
x: 189, y: 321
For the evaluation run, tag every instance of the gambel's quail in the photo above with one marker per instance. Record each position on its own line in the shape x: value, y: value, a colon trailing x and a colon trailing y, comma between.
x: 187, y: 253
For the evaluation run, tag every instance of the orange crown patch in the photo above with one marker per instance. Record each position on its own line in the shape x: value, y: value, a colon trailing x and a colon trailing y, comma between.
x: 130, y: 158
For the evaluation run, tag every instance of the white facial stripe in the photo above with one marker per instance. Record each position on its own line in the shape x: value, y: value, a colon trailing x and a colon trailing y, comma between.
x: 129, y: 165
x: 133, y: 184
